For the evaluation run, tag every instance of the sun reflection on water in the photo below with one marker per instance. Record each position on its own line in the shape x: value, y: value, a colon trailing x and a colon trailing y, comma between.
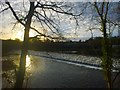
x: 28, y: 61
x: 28, y: 67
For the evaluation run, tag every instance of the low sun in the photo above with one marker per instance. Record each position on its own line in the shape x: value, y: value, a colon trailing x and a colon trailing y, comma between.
x: 20, y: 35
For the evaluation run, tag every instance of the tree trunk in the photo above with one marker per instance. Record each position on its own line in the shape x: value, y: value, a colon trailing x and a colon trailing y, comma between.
x: 22, y: 68
x: 107, y: 62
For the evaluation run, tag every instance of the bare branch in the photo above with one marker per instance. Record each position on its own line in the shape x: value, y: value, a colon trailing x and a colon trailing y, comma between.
x: 19, y: 20
x: 109, y: 21
x: 14, y: 25
x: 50, y: 21
x: 97, y: 9
x: 40, y: 34
x: 102, y: 6
x: 52, y: 7
x: 4, y: 9
x: 116, y: 76
x: 47, y: 23
x: 106, y: 13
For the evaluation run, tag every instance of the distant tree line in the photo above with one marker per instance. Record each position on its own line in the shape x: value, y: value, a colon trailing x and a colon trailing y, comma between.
x: 89, y: 47
x: 10, y: 45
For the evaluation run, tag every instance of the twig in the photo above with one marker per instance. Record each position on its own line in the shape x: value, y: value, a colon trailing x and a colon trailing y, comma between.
x: 116, y: 76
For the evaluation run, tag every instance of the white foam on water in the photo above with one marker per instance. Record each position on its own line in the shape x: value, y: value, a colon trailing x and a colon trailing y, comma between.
x: 84, y: 65
x: 77, y: 64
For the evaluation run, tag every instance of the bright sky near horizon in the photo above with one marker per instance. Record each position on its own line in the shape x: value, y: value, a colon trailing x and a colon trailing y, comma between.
x: 67, y: 26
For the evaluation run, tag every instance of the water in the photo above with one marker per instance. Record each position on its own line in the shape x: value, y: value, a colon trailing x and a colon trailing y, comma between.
x: 44, y: 72
x: 52, y: 74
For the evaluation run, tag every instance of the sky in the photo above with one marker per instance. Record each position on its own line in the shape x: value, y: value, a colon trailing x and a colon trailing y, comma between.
x: 67, y: 24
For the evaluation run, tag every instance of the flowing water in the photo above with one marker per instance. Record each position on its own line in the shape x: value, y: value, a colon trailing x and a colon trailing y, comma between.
x: 44, y: 72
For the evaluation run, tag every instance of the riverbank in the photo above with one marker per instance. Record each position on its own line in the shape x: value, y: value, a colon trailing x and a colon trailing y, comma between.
x: 75, y: 58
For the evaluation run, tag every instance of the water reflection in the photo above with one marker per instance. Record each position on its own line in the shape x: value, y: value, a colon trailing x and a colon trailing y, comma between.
x: 10, y: 66
x: 28, y: 69
x: 28, y: 61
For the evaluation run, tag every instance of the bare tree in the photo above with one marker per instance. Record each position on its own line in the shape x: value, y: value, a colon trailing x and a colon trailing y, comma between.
x: 102, y: 9
x: 21, y: 72
x: 34, y: 12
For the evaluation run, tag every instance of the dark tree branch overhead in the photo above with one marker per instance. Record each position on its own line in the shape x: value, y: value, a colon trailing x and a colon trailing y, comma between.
x: 106, y: 12
x: 97, y: 9
x: 19, y: 20
x: 62, y: 12
x: 4, y: 9
x: 45, y: 17
x: 48, y: 36
x: 102, y: 6
x: 55, y: 8
x: 47, y: 21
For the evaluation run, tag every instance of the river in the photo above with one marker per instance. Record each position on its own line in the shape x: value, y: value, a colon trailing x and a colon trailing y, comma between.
x: 48, y: 73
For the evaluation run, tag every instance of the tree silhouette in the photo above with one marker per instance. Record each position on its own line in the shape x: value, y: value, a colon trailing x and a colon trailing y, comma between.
x: 102, y: 9
x: 43, y: 19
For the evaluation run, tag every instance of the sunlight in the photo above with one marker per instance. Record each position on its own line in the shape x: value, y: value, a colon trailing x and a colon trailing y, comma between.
x: 28, y: 61
x: 20, y: 35
x: 31, y: 34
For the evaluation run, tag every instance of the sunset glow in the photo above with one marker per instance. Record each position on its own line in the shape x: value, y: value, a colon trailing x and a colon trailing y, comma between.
x: 20, y: 35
